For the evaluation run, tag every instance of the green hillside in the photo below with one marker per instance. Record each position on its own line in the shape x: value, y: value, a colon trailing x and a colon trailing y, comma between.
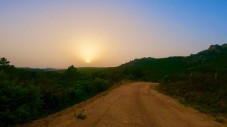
x: 199, y: 80
x: 212, y: 60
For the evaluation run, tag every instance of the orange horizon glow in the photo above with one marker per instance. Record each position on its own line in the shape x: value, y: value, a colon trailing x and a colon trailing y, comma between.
x: 57, y: 34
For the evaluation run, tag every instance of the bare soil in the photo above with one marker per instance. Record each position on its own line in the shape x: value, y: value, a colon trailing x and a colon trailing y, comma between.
x: 129, y: 105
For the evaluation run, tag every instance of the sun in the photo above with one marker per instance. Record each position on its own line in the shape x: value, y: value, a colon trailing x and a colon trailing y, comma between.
x: 88, y: 49
x: 88, y: 61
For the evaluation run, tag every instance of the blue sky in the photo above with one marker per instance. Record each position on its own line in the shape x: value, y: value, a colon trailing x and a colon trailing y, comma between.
x: 58, y: 33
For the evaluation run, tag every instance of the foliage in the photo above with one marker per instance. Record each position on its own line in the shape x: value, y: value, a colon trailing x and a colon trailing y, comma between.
x: 99, y: 85
x: 4, y: 62
x: 81, y: 116
x: 198, y: 80
x: 27, y: 94
x: 203, y: 92
x: 71, y: 71
x: 18, y: 104
x: 205, y: 86
x: 5, y: 66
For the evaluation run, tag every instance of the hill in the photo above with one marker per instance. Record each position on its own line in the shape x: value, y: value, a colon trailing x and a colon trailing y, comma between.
x: 211, y: 60
x: 198, y: 80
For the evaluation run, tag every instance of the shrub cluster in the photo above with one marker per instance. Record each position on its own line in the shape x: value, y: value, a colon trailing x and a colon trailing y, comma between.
x: 27, y: 94
x: 203, y: 92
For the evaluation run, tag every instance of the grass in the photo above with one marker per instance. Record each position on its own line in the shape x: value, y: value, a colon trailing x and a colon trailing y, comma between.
x: 81, y: 116
x: 220, y: 119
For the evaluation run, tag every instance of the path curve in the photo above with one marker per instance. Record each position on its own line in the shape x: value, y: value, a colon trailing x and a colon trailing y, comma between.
x: 129, y: 105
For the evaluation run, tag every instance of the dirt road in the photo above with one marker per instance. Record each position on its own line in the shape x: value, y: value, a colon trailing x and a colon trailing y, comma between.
x: 130, y: 105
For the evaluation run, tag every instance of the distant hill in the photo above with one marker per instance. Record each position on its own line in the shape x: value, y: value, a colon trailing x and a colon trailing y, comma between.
x: 212, y: 60
x: 198, y: 80
x: 212, y: 52
x: 39, y: 69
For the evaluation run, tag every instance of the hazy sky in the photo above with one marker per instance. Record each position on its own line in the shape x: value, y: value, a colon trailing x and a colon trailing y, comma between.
x: 59, y: 33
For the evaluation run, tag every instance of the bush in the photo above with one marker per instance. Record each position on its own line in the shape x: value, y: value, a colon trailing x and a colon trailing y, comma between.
x: 28, y: 94
x: 99, y: 85
x: 18, y: 104
x: 202, y: 92
x: 78, y: 93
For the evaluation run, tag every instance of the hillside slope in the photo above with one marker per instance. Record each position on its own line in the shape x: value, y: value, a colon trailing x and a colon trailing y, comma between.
x: 199, y: 80
x: 212, y: 60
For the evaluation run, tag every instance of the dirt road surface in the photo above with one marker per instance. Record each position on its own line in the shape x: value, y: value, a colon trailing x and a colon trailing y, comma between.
x: 129, y: 105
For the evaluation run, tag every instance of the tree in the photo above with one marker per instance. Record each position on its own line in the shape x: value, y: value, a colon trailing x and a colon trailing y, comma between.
x: 70, y: 74
x: 5, y: 66
x: 4, y: 62
x: 71, y: 70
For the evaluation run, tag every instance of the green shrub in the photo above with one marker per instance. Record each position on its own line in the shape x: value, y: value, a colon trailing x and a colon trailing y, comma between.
x: 18, y: 104
x: 99, y: 85
x: 78, y: 93
x: 202, y: 92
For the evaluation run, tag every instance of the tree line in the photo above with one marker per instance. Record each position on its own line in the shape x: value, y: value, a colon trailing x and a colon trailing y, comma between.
x: 27, y: 94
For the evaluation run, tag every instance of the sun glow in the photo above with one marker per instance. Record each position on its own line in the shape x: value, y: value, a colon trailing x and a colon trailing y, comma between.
x: 88, y: 61
x: 88, y: 50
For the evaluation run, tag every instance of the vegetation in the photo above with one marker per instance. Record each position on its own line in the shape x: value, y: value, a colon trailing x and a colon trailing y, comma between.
x: 201, y: 91
x: 81, y: 116
x: 198, y: 80
x: 27, y: 94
